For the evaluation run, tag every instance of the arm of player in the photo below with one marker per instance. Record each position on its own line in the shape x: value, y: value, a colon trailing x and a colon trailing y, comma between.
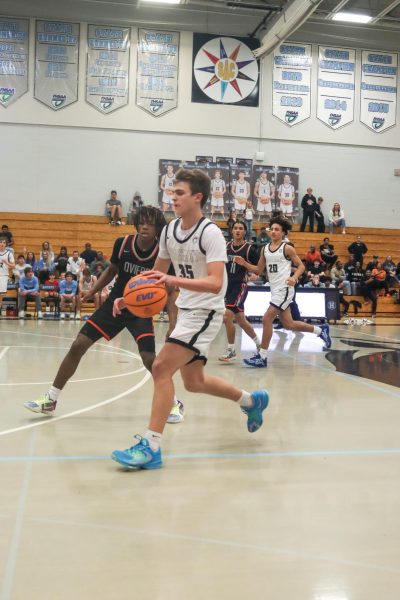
x: 290, y: 253
x: 257, y: 269
x: 212, y: 283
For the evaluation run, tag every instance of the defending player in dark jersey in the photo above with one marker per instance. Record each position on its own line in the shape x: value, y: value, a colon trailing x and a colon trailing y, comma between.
x: 131, y: 255
x: 236, y: 292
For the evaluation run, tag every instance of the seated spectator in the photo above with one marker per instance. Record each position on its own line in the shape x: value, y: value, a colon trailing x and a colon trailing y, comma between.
x: 390, y: 268
x: 379, y: 276
x: 136, y: 203
x: 327, y: 251
x: 356, y: 277
x: 51, y: 292
x: 375, y: 280
x: 6, y: 233
x: 29, y: 290
x: 311, y: 255
x: 231, y: 220
x: 114, y: 209
x: 44, y: 266
x: 358, y: 249
x: 99, y: 259
x: 328, y: 283
x: 314, y: 282
x: 86, y: 282
x: 319, y: 216
x: 303, y: 279
x: 19, y: 269
x: 105, y: 292
x: 46, y: 247
x: 88, y: 254
x: 263, y: 238
x: 317, y: 268
x: 61, y: 261
x: 68, y: 297
x: 372, y: 263
x: 76, y: 264
x: 338, y: 275
x: 336, y: 218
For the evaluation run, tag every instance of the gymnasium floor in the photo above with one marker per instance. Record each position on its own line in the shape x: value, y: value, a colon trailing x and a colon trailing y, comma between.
x: 305, y: 509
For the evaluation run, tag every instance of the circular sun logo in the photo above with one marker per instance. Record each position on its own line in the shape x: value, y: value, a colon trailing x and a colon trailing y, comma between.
x: 226, y: 70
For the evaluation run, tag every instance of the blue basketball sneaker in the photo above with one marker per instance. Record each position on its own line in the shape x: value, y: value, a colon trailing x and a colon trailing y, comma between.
x: 254, y: 413
x: 256, y: 361
x: 324, y: 335
x: 139, y: 456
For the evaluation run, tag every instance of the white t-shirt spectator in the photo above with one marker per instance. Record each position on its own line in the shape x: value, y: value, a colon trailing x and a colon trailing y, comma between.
x: 75, y: 266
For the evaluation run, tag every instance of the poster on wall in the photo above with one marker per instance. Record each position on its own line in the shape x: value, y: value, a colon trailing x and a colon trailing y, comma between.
x: 336, y: 85
x: 287, y: 191
x: 218, y: 202
x: 378, y: 89
x: 56, y: 63
x: 204, y: 159
x: 166, y: 176
x: 225, y: 70
x: 263, y: 190
x: 222, y: 160
x: 240, y: 188
x: 107, y: 71
x: 157, y: 71
x: 291, y: 86
x: 14, y: 53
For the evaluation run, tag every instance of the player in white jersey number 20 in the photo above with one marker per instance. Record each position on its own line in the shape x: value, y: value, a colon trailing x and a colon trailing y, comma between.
x: 196, y: 248
x: 277, y: 259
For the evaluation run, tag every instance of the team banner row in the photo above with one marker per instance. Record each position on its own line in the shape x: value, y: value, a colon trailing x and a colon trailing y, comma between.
x: 336, y: 87
x: 107, y: 67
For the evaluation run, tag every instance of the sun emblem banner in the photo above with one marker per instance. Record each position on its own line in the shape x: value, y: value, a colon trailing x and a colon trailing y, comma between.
x: 14, y: 48
x: 225, y: 70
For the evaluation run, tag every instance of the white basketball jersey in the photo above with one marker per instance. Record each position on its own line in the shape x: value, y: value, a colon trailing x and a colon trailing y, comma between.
x: 277, y: 265
x: 190, y: 251
x: 241, y: 189
x: 264, y: 189
x: 168, y: 182
x: 5, y: 255
x: 286, y: 191
x: 217, y: 185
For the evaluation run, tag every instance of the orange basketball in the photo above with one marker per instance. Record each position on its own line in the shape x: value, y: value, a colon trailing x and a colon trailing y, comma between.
x: 144, y: 297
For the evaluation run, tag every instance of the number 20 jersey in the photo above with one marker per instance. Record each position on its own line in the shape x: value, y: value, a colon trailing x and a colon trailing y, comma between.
x: 278, y: 266
x: 190, y: 251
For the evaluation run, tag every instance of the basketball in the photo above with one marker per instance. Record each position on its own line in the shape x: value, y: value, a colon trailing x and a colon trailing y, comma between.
x: 144, y: 297
x: 264, y: 199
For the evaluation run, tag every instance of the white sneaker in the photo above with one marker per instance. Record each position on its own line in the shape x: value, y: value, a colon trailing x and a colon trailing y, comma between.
x: 21, y: 314
x: 228, y: 357
x: 177, y: 413
x: 44, y: 404
x: 78, y: 317
x: 119, y: 223
x: 40, y: 315
x: 62, y: 316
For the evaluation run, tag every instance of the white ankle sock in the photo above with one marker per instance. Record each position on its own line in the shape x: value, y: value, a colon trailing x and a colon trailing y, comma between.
x: 54, y: 393
x: 175, y: 401
x: 263, y: 353
x: 317, y: 330
x: 231, y: 347
x: 154, y: 439
x: 257, y: 340
x: 245, y: 399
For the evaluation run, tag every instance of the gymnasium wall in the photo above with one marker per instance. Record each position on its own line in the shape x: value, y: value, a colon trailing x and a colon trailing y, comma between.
x: 68, y: 160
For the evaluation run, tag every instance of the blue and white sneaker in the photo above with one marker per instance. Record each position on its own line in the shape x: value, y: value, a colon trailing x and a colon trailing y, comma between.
x: 256, y: 361
x: 324, y: 335
x: 254, y: 413
x: 139, y: 456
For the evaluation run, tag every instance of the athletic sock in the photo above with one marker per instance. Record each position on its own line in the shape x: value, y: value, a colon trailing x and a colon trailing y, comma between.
x: 245, y: 399
x: 54, y: 393
x: 175, y: 401
x: 154, y: 439
x: 317, y: 330
x: 256, y: 340
x: 231, y: 347
x: 263, y: 353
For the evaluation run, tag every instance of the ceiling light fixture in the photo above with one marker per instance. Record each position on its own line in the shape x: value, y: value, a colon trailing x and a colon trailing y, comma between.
x: 162, y: 1
x: 349, y: 17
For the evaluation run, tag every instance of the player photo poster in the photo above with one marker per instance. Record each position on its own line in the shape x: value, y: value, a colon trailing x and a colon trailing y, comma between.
x: 263, y: 190
x: 240, y: 188
x: 157, y: 71
x: 56, y: 63
x: 218, y: 203
x: 287, y: 191
x: 166, y: 178
x: 107, y: 69
x: 336, y: 86
x: 291, y: 87
x: 244, y: 162
x: 378, y: 89
x: 14, y: 55
x: 204, y: 159
x: 225, y: 70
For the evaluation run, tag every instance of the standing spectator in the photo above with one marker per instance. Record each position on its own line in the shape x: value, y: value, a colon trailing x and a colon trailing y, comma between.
x: 319, y: 216
x: 29, y: 290
x: 46, y: 247
x: 327, y: 251
x: 6, y: 233
x: 88, y: 254
x: 358, y: 248
x: 75, y: 264
x: 61, y: 261
x: 19, y: 269
x: 311, y: 255
x: 336, y: 218
x: 309, y: 206
x: 248, y: 216
x: 114, y: 209
x: 338, y: 275
x: 68, y: 289
x: 44, y: 267
x: 136, y: 203
x: 390, y: 268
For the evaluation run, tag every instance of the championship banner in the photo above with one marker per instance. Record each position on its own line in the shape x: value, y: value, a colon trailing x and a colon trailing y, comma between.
x: 157, y: 71
x: 378, y: 89
x: 291, y: 89
x: 107, y: 73
x: 56, y: 64
x: 225, y: 70
x: 336, y: 85
x: 14, y: 49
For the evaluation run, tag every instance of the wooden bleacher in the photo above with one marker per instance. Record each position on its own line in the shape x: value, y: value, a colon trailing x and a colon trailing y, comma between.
x: 31, y: 229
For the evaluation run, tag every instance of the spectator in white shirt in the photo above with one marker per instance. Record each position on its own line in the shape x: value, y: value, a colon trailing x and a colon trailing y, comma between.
x: 76, y: 264
x: 336, y: 218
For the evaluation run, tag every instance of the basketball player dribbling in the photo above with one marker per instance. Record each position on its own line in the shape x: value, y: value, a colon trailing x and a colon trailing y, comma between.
x: 240, y: 192
x: 218, y: 189
x: 264, y: 191
x: 277, y: 258
x: 132, y: 255
x: 286, y: 196
x: 197, y: 249
x: 166, y: 185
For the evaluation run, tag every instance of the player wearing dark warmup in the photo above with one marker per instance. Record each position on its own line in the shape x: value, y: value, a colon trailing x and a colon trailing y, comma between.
x: 132, y: 254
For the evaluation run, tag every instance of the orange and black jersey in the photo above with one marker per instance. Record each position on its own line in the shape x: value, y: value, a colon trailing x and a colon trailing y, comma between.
x: 131, y: 261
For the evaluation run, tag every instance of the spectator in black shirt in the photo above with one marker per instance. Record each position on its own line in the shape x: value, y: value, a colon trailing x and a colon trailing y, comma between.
x: 390, y: 268
x: 356, y: 277
x: 61, y: 261
x: 319, y: 216
x: 88, y: 255
x: 6, y: 233
x: 327, y: 251
x: 372, y: 263
x: 309, y: 205
x: 358, y: 248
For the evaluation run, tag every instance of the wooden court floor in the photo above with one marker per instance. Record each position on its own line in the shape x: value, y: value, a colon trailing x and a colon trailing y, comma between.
x: 305, y: 509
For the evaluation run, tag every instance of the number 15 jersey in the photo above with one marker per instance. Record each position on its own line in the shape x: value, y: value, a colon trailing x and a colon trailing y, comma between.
x: 278, y: 266
x: 190, y: 251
